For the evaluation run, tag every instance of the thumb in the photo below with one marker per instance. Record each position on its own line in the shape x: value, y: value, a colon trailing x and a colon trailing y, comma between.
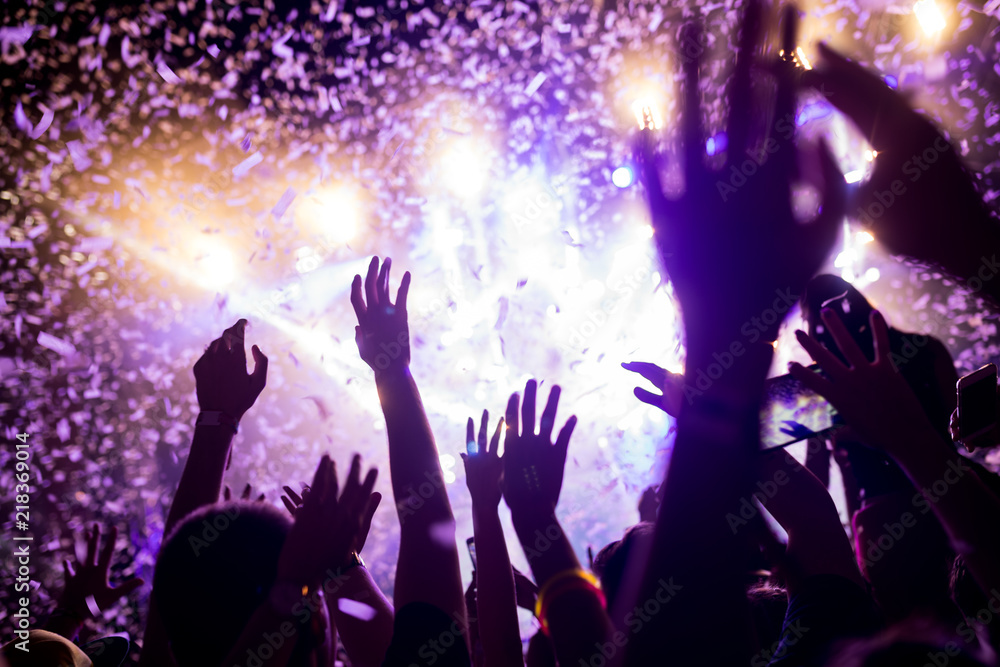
x: 258, y: 379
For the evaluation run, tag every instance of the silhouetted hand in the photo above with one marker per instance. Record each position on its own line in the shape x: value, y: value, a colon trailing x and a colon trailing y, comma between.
x: 525, y: 590
x: 920, y: 200
x: 671, y: 386
x: 533, y: 466
x: 730, y: 244
x: 327, y: 524
x: 382, y: 333
x: 221, y: 379
x: 90, y: 577
x: 649, y: 504
x: 483, y: 465
x: 872, y: 396
x: 227, y: 494
x: 293, y: 502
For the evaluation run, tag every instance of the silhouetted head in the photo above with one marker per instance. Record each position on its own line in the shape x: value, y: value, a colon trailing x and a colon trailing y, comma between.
x: 911, y: 644
x: 215, y: 569
x: 829, y: 291
x: 611, y: 561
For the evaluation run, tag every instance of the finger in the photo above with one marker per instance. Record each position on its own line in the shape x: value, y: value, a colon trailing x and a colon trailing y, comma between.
x: 562, y: 442
x: 229, y: 459
x: 483, y: 424
x: 68, y: 572
x: 881, y: 331
x: 383, y: 283
x: 215, y: 346
x: 784, y: 107
x: 651, y: 372
x: 495, y: 440
x: 261, y: 498
x: 648, y: 397
x: 289, y: 505
x: 246, y: 493
x: 830, y: 364
x: 511, y: 416
x: 739, y: 86
x: 371, y: 292
x: 227, y: 494
x: 366, y: 490
x: 402, y: 293
x: 470, y: 437
x: 649, y: 163
x: 549, y: 414
x: 258, y: 379
x: 821, y: 233
x: 109, y: 549
x: 237, y: 339
x: 528, y: 408
x: 845, y: 341
x: 357, y: 300
x: 92, y: 539
x: 693, y: 132
x: 294, y: 497
x: 319, y: 482
x: 812, y: 381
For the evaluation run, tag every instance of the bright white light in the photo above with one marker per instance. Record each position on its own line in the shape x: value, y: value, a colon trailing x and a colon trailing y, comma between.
x: 929, y: 16
x: 870, y: 156
x: 872, y: 274
x: 622, y: 177
x: 647, y: 114
x: 463, y: 170
x: 333, y: 212
x: 802, y: 58
x: 854, y: 176
x: 864, y: 237
x: 216, y: 266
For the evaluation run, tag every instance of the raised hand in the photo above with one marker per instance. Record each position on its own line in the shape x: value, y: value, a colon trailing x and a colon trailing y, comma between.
x: 221, y: 377
x: 649, y: 504
x: 872, y: 396
x: 483, y: 465
x: 89, y: 577
x: 382, y: 333
x: 293, y: 501
x: 327, y: 524
x: 227, y: 494
x: 671, y: 386
x: 533, y: 466
x: 730, y: 244
x: 920, y: 200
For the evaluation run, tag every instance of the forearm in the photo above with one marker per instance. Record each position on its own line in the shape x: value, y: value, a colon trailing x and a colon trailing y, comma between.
x: 155, y: 650
x: 414, y: 466
x: 496, y: 598
x: 201, y: 481
x: 365, y: 639
x: 577, y: 621
x: 966, y: 507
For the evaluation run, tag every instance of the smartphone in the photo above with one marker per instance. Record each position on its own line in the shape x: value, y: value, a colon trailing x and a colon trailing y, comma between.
x: 977, y: 403
x: 792, y: 413
x: 471, y: 543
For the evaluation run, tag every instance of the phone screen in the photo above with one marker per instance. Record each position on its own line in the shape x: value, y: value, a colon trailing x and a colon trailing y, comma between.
x: 977, y: 402
x: 471, y: 543
x: 792, y: 413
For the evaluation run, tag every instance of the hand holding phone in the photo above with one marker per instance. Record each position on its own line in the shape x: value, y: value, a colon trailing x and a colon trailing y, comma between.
x: 974, y: 423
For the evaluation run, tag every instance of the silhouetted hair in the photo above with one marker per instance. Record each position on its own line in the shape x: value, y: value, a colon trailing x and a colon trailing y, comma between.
x: 610, y: 562
x: 215, y: 569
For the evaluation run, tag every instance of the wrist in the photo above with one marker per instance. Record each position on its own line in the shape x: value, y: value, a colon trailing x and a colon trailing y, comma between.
x: 218, y: 419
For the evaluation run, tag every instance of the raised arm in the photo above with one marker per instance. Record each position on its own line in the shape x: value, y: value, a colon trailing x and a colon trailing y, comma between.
x: 878, y: 404
x: 735, y: 256
x: 496, y: 601
x: 427, y: 570
x: 570, y: 605
x: 225, y: 392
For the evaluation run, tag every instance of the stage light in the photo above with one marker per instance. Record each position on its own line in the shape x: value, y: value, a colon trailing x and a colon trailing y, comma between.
x: 647, y: 114
x: 891, y: 81
x: 864, y: 237
x: 216, y: 266
x: 622, y: 177
x: 854, y: 176
x: 716, y: 144
x: 464, y: 171
x: 870, y: 156
x: 930, y: 17
x: 872, y: 274
x: 801, y: 56
x: 335, y: 213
